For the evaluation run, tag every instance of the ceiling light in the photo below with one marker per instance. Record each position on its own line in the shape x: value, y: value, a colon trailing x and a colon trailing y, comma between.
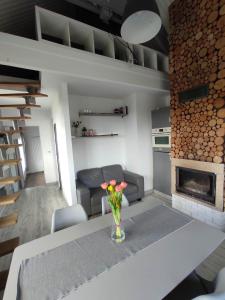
x: 140, y: 27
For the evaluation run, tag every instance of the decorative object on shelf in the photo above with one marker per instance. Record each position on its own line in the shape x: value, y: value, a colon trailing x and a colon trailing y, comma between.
x: 115, y: 193
x: 140, y: 24
x: 75, y: 128
x: 84, y: 131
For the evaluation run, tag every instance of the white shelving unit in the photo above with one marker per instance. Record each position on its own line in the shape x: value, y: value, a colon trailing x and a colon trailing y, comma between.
x: 55, y: 28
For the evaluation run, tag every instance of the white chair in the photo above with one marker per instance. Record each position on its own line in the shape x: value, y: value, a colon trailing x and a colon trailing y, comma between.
x: 105, y: 205
x: 68, y: 216
x: 219, y: 292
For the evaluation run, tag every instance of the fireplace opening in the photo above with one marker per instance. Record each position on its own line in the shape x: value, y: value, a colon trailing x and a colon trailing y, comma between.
x: 198, y: 184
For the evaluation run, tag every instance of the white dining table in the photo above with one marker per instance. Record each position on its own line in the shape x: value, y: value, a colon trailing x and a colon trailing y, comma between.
x: 150, y: 274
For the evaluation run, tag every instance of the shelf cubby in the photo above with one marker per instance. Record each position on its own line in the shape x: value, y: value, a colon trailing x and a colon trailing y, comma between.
x: 150, y: 59
x: 56, y: 28
x: 104, y: 44
x: 121, y: 51
x: 54, y: 31
x: 138, y: 56
x: 81, y: 37
x: 162, y: 62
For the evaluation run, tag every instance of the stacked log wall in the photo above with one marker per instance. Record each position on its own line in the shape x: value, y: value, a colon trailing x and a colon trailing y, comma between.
x: 197, y: 57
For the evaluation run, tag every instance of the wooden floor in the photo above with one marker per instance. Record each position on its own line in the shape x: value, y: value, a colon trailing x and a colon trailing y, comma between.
x: 35, y: 179
x: 35, y: 208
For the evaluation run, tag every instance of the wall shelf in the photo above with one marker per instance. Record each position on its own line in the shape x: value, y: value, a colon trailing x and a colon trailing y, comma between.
x: 96, y: 136
x: 56, y: 28
x: 101, y: 114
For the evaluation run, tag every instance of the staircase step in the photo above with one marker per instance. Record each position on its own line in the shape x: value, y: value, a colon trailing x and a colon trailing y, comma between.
x: 19, y: 106
x: 9, y: 162
x: 9, y: 199
x: 11, y: 131
x: 9, y: 246
x: 6, y: 146
x: 8, y: 220
x: 3, y: 279
x: 25, y: 85
x: 23, y: 95
x: 9, y: 180
x: 15, y: 118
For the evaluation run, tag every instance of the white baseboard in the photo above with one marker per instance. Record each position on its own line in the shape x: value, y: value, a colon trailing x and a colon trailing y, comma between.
x: 168, y: 197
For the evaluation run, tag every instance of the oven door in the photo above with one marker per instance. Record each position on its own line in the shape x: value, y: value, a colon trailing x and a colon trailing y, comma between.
x: 161, y: 141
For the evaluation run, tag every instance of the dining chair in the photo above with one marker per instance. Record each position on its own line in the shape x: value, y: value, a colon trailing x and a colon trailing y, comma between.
x: 105, y: 205
x: 68, y: 216
x: 219, y: 291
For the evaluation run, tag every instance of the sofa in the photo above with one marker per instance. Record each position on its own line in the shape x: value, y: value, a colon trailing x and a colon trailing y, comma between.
x: 89, y: 192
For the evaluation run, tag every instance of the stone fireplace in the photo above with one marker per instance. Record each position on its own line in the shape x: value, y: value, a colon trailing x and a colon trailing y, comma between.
x: 197, y: 77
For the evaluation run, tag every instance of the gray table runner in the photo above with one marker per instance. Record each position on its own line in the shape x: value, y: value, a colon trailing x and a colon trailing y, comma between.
x: 54, y: 274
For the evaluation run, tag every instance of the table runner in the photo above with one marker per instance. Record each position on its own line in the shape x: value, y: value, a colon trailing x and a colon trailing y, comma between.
x: 57, y: 272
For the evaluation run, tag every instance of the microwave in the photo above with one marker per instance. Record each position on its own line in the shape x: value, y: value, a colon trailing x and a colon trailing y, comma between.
x: 161, y: 137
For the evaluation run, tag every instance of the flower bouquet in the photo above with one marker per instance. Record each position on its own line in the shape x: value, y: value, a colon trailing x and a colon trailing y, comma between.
x: 115, y: 194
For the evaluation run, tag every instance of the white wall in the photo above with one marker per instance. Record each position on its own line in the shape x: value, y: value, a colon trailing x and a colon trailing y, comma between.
x: 58, y: 95
x: 97, y: 152
x: 43, y: 119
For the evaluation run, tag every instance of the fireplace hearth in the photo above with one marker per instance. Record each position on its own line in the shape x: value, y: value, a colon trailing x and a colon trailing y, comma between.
x: 196, y: 183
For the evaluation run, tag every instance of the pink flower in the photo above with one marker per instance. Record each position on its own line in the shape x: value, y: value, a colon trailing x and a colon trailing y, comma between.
x: 113, y: 182
x: 118, y: 188
x: 104, y: 185
x: 123, y: 185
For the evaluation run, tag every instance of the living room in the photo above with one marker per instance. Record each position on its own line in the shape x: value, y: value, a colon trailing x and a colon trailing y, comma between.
x: 117, y: 126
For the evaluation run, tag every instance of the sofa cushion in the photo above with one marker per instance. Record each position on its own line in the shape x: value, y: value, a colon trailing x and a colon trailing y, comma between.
x: 96, y: 200
x: 130, y: 189
x: 113, y: 172
x: 92, y: 178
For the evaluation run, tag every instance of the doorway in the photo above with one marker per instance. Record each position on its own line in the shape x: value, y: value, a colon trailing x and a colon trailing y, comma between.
x: 34, y: 158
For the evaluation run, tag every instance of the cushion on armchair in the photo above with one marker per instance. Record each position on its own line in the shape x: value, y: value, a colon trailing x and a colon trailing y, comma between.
x: 92, y: 178
x: 113, y: 172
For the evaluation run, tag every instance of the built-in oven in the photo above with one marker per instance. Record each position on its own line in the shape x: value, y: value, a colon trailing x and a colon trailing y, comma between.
x: 161, y: 137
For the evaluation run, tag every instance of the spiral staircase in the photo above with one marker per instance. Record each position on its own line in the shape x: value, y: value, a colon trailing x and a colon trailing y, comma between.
x: 11, y: 174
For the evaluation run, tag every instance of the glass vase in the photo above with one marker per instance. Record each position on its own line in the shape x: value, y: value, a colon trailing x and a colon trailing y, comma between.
x: 118, y: 233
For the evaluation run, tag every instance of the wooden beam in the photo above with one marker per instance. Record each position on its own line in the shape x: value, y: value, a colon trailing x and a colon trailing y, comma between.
x: 9, y: 246
x: 9, y: 180
x: 6, y: 146
x: 19, y: 106
x: 25, y: 85
x: 10, y: 132
x: 9, y: 162
x: 8, y: 220
x: 9, y: 199
x: 23, y: 95
x: 15, y: 118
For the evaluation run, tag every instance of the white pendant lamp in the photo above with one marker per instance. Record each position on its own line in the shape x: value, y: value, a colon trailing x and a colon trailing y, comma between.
x: 140, y: 27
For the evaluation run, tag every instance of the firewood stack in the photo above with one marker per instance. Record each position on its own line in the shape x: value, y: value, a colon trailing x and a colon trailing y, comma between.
x: 197, y: 57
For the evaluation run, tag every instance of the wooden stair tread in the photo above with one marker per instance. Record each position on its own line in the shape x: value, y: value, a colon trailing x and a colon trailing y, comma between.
x: 15, y: 118
x: 3, y: 279
x: 10, y: 145
x: 11, y: 131
x: 8, y: 220
x: 9, y: 199
x: 9, y: 246
x: 8, y: 84
x: 22, y: 95
x: 19, y: 106
x: 9, y: 161
x: 9, y: 180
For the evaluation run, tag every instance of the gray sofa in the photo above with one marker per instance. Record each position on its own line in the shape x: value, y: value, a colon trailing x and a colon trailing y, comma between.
x: 89, y: 192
